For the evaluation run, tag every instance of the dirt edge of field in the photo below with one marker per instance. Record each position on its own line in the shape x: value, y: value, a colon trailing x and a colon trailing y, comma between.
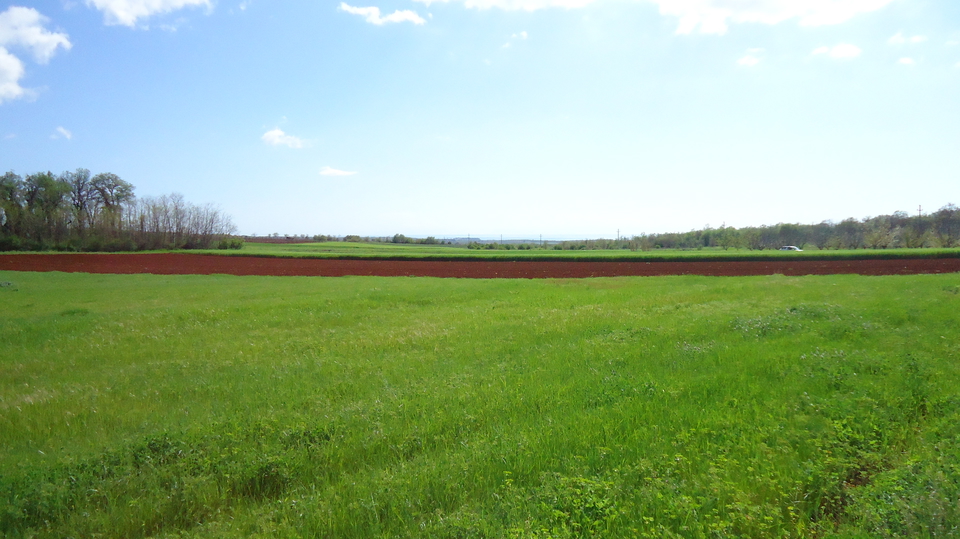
x: 186, y: 264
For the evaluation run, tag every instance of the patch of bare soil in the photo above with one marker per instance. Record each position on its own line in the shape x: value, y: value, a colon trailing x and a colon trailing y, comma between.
x: 187, y: 264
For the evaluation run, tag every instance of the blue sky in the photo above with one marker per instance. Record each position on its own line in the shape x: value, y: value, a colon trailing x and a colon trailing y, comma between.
x: 567, y: 118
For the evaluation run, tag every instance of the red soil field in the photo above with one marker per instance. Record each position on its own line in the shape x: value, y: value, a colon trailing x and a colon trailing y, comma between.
x: 187, y: 264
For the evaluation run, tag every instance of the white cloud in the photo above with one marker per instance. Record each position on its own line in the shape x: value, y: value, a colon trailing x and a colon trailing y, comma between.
x: 713, y: 16
x: 277, y: 137
x: 328, y: 171
x: 127, y: 12
x: 906, y: 61
x: 62, y: 133
x: 372, y: 15
x: 11, y: 70
x: 23, y: 28
x: 843, y: 50
x: 900, y: 39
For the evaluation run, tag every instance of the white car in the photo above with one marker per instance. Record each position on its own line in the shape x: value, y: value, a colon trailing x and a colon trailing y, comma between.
x: 790, y: 248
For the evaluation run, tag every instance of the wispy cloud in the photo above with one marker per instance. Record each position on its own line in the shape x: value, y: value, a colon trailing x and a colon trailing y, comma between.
x: 842, y: 51
x: 62, y: 132
x: 907, y: 61
x: 23, y: 28
x: 714, y: 16
x: 372, y: 15
x: 751, y: 59
x: 276, y: 137
x: 329, y: 171
x: 128, y: 12
x: 518, y: 36
x: 900, y: 39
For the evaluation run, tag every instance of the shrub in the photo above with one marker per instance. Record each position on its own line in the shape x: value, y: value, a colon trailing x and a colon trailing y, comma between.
x: 230, y: 243
x: 10, y: 243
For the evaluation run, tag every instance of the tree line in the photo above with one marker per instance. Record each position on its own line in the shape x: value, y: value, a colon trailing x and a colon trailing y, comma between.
x: 77, y: 211
x: 898, y: 230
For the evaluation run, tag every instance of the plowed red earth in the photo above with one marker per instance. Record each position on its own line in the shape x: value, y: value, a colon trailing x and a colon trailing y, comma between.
x: 186, y: 264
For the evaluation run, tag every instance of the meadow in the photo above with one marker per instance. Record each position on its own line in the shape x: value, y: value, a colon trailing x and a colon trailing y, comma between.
x: 336, y: 249
x: 223, y: 406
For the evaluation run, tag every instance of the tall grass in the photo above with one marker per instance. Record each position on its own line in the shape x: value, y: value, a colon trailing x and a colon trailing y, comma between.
x: 220, y: 406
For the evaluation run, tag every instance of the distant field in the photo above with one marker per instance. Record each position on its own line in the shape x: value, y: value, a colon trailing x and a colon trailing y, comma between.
x: 381, y: 250
x: 221, y: 406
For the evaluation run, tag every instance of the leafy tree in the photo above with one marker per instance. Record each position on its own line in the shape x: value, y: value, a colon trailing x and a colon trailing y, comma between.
x: 11, y: 202
x: 111, y: 193
x: 83, y: 197
x: 821, y: 233
x: 43, y: 196
x: 752, y: 238
x: 790, y: 234
x: 946, y: 225
x: 879, y: 233
x: 850, y: 233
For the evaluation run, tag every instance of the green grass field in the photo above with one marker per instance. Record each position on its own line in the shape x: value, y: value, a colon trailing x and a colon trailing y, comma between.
x: 221, y: 406
x: 389, y: 250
